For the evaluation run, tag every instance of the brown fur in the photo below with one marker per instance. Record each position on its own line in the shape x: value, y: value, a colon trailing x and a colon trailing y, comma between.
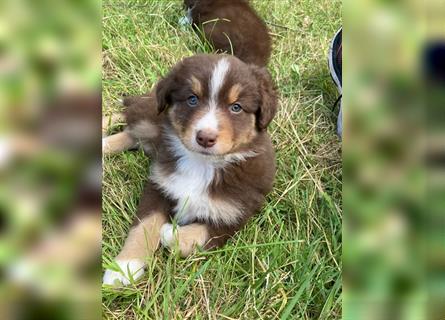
x: 239, y: 185
x: 232, y: 24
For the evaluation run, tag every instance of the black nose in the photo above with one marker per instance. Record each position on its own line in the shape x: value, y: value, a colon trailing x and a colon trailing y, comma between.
x: 206, y: 138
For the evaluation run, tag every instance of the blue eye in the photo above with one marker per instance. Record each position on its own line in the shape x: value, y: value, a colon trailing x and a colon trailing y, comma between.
x: 192, y: 101
x: 236, y: 108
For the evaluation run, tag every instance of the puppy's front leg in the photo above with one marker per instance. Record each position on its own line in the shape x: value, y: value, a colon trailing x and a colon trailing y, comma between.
x: 194, y: 235
x: 143, y: 238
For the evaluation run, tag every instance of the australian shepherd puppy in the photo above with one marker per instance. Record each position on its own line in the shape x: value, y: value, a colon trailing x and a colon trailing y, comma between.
x: 231, y: 26
x: 204, y: 126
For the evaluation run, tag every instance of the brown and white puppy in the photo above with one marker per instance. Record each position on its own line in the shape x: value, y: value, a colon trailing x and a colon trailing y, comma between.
x: 212, y: 159
x: 231, y: 26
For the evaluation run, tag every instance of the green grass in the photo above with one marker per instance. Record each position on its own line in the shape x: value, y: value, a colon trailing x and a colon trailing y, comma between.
x: 286, y: 263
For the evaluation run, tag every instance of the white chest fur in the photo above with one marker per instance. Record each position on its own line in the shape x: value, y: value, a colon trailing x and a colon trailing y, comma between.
x: 189, y: 185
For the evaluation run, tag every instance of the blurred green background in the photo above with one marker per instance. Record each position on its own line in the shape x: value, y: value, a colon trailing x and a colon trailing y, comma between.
x: 50, y: 169
x: 394, y: 196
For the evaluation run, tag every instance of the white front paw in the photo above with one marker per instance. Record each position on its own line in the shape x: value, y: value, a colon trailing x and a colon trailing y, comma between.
x: 128, y: 269
x: 167, y: 235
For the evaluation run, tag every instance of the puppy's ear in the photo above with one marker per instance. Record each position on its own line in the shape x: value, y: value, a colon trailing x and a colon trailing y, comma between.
x: 268, y: 97
x: 163, y: 92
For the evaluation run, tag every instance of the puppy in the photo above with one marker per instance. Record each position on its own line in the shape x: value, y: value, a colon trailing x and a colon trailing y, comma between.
x: 213, y: 163
x: 232, y: 27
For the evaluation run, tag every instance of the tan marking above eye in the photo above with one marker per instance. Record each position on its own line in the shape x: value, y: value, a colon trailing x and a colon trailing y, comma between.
x: 196, y: 86
x: 234, y: 93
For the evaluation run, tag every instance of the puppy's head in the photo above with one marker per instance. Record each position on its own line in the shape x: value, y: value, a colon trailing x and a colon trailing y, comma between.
x: 217, y: 104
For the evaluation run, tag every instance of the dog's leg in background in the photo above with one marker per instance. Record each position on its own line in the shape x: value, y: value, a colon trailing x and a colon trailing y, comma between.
x: 142, y: 125
x: 118, y: 142
x: 143, y: 238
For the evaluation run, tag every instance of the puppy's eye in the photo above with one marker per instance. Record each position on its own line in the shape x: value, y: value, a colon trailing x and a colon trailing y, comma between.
x: 192, y: 101
x: 236, y: 108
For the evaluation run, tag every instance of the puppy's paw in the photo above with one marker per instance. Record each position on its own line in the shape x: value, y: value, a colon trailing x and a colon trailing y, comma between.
x: 167, y: 235
x: 170, y: 238
x: 128, y: 269
x: 186, y: 237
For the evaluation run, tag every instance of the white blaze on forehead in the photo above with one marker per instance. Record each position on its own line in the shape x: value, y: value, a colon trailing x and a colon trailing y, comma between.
x: 210, y: 120
x: 217, y: 80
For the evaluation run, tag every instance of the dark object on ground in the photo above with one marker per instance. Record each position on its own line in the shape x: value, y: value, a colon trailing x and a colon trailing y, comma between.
x: 335, y: 67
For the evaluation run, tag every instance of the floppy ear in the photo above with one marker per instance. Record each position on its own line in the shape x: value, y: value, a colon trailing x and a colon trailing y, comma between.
x: 163, y: 92
x: 268, y: 97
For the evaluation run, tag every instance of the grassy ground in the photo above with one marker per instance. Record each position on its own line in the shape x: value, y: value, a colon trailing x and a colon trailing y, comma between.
x: 286, y: 263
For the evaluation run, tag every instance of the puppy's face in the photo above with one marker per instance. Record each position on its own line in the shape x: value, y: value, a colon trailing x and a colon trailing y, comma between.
x: 216, y: 103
